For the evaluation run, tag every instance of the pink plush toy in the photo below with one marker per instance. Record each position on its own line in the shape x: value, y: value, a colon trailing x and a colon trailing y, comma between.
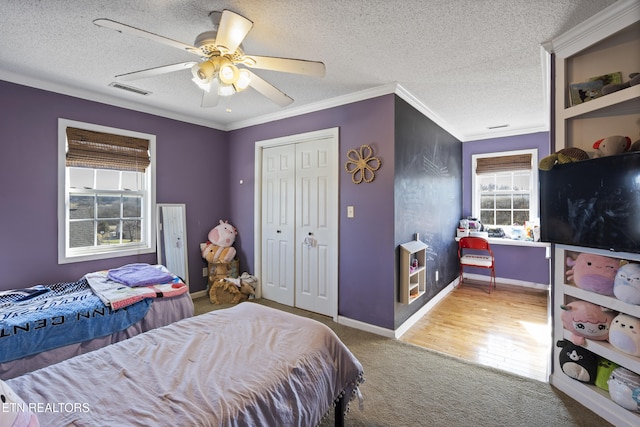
x: 219, y: 248
x: 13, y: 411
x: 611, y: 145
x: 595, y: 273
x: 586, y: 320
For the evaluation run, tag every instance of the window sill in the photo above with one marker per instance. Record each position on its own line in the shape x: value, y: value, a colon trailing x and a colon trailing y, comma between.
x: 513, y: 242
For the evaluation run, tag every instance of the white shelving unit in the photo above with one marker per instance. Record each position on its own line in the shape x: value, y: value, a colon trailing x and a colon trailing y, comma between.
x: 592, y: 397
x: 412, y: 279
x: 608, y: 42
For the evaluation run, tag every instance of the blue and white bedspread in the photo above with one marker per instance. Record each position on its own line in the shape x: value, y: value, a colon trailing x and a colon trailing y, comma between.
x: 57, y: 315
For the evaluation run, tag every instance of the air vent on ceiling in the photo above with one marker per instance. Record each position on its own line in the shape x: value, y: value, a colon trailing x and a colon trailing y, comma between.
x: 497, y: 126
x: 129, y: 88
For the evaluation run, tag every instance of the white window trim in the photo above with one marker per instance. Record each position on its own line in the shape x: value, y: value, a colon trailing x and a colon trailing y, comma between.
x: 534, y: 211
x: 63, y: 197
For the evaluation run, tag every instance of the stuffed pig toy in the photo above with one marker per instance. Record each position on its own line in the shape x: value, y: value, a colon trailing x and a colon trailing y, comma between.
x: 218, y: 248
x: 13, y: 411
x: 595, y: 273
x: 626, y: 286
x: 624, y: 334
x: 586, y: 320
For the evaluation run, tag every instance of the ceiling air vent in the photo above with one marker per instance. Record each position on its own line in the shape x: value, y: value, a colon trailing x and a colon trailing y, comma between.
x: 129, y: 88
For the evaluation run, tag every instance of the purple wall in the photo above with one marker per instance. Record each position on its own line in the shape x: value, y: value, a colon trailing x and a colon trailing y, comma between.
x: 366, y: 257
x: 527, y: 264
x: 188, y: 166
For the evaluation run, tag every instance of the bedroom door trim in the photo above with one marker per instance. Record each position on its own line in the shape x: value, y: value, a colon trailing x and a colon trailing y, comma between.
x: 331, y: 135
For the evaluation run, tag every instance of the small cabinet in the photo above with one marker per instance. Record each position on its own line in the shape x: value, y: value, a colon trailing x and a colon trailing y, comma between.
x: 413, y: 271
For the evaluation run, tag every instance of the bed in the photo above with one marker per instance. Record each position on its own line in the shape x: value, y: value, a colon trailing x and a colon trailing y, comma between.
x: 46, y: 324
x: 248, y: 365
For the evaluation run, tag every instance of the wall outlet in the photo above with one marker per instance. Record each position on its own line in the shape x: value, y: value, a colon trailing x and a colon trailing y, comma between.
x: 205, y: 271
x: 436, y: 275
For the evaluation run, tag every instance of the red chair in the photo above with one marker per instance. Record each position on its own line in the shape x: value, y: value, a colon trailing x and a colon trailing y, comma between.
x: 476, y: 252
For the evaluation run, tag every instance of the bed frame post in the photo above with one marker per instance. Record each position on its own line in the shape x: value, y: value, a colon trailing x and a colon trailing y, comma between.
x: 339, y: 413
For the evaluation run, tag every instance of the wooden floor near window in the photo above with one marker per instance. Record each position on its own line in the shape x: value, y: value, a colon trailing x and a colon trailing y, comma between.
x: 508, y: 329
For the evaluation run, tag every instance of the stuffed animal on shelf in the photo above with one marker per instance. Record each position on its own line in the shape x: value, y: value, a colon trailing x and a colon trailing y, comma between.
x: 219, y: 246
x: 624, y: 388
x: 13, y: 411
x: 624, y: 334
x: 611, y: 146
x: 595, y: 273
x: 605, y: 368
x: 566, y: 155
x: 634, y: 79
x: 586, y: 320
x: 626, y: 285
x: 578, y: 362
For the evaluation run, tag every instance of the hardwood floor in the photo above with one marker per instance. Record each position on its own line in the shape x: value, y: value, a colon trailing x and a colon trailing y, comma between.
x: 508, y: 329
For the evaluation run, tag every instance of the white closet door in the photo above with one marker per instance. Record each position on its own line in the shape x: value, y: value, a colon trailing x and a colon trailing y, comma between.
x: 278, y: 224
x: 316, y: 226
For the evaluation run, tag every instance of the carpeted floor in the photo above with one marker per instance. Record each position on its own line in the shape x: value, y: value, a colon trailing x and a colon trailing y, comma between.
x: 406, y: 385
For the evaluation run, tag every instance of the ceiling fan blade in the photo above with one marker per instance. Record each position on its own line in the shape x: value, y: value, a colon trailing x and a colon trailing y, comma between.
x: 233, y: 28
x: 150, y: 72
x: 210, y: 98
x: 269, y: 90
x: 286, y: 65
x: 123, y: 28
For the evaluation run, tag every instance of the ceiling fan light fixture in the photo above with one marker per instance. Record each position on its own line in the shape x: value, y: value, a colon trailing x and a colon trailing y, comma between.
x: 226, y: 89
x: 244, y: 79
x: 228, y: 73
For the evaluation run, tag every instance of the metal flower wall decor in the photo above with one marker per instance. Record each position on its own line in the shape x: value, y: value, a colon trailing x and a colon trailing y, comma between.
x: 362, y: 164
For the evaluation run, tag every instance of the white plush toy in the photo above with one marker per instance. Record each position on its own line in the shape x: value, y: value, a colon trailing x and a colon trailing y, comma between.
x: 624, y: 334
x: 626, y: 286
x: 14, y: 413
x: 624, y: 388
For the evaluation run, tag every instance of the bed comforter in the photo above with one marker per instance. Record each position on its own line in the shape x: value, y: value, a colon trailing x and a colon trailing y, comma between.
x: 248, y: 365
x: 66, y: 313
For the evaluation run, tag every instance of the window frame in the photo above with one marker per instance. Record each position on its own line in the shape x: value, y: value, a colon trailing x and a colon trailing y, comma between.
x: 534, y: 190
x: 70, y: 255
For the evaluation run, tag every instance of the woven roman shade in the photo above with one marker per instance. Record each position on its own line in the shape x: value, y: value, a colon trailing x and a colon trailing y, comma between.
x: 503, y: 163
x: 99, y: 150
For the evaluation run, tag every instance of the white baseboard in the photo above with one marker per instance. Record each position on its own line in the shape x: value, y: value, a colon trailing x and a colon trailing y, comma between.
x: 483, y: 278
x: 356, y: 324
x: 198, y: 294
x: 407, y: 324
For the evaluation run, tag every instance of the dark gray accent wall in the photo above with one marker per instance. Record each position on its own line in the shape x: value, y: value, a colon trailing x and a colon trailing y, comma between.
x: 427, y: 199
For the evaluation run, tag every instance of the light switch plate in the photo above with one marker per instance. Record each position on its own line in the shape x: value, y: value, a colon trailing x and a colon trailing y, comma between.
x: 350, y: 212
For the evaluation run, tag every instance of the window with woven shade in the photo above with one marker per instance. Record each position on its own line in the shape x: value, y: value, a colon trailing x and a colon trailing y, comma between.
x: 107, y: 192
x: 505, y: 188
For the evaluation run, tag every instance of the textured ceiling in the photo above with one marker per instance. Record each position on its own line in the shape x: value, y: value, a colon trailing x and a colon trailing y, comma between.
x: 473, y: 64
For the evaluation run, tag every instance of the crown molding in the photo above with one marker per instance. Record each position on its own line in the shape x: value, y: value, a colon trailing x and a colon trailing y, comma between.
x: 608, y: 21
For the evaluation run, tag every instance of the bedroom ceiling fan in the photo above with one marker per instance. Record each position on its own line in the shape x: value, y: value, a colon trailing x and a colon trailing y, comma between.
x: 221, y: 70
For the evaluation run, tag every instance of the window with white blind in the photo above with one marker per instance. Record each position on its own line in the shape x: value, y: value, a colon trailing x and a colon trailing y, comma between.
x: 505, y: 188
x: 106, y: 192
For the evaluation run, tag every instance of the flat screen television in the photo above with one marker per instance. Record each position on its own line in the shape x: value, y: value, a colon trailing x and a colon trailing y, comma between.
x: 593, y: 203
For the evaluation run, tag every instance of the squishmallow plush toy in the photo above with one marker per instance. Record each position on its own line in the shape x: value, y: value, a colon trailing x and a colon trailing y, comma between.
x: 13, y: 411
x: 219, y: 246
x: 605, y: 368
x: 624, y: 388
x: 586, y: 320
x: 578, y: 362
x: 626, y: 286
x: 594, y: 273
x: 624, y: 334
